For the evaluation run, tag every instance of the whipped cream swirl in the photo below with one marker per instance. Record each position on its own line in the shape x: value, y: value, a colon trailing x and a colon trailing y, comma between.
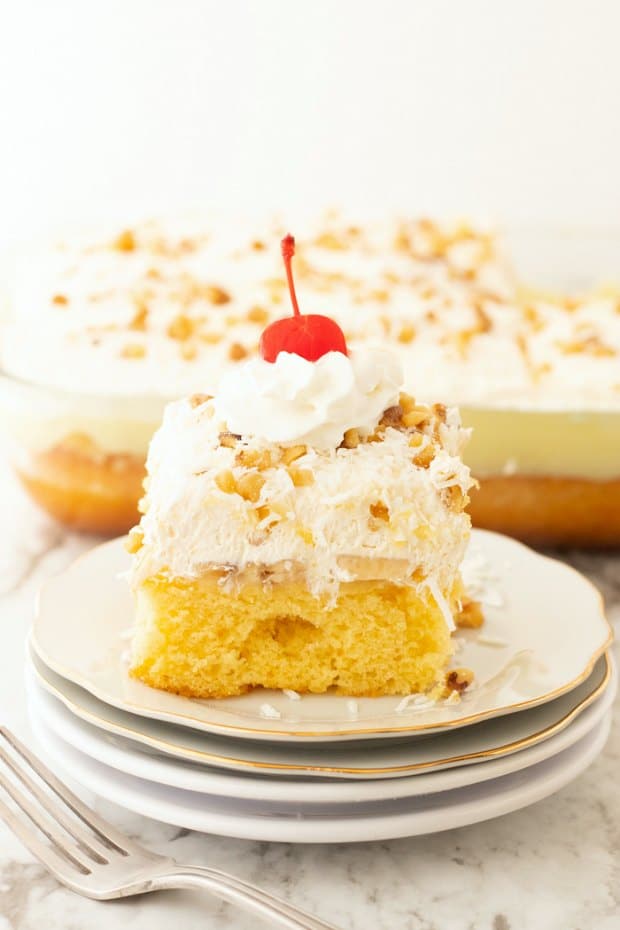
x: 294, y: 400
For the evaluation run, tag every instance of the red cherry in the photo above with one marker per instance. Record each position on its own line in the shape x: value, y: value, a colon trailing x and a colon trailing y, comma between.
x: 309, y: 335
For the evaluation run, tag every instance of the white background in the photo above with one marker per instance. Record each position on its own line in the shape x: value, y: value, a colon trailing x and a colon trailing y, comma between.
x: 501, y: 108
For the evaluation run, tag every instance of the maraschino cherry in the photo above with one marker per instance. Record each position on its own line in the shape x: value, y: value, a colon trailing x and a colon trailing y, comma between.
x: 310, y: 335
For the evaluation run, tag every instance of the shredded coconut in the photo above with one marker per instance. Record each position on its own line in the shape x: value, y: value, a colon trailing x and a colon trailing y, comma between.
x: 270, y: 712
x: 415, y: 700
x: 291, y: 695
x: 441, y: 602
x: 479, y: 580
x: 492, y: 641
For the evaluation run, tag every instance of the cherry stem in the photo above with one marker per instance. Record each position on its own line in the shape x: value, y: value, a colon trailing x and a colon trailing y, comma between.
x: 288, y: 250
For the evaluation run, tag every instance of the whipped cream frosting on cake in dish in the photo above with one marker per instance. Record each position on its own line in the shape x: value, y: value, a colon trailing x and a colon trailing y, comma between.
x: 167, y: 308
x: 303, y: 530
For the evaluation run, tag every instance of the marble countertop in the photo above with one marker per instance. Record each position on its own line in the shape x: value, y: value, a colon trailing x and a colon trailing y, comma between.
x: 555, y: 865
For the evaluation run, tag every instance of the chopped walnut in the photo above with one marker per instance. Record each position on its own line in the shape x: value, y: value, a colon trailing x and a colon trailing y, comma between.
x: 406, y: 401
x: 196, y: 400
x: 249, y: 485
x: 470, y: 616
x: 140, y: 317
x: 125, y: 242
x: 393, y: 416
x: 257, y: 315
x: 134, y: 540
x: 416, y: 416
x: 211, y: 338
x: 484, y: 323
x: 533, y: 317
x: 440, y: 412
x: 236, y: 352
x: 216, y: 295
x: 455, y: 498
x: 60, y: 300
x: 133, y: 350
x: 380, y: 511
x: 254, y: 458
x: 406, y: 334
x: 351, y: 439
x: 292, y: 453
x: 329, y: 240
x: 425, y: 456
x: 301, y: 477
x: 181, y: 328
x: 225, y: 481
x: 459, y: 679
x: 258, y: 246
x: 590, y: 345
x: 228, y: 439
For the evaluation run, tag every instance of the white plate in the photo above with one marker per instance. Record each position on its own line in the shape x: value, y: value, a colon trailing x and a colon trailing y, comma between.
x: 546, y: 635
x: 391, y: 759
x: 379, y: 820
x: 125, y: 756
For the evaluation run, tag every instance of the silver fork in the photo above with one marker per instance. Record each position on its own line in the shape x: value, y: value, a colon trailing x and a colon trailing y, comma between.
x: 90, y: 856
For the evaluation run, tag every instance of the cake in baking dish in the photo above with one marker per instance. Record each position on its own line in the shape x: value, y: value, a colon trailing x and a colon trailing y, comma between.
x: 106, y: 328
x: 302, y: 529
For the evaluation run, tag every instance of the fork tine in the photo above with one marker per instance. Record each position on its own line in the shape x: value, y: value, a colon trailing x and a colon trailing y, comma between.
x: 41, y: 851
x: 109, y: 835
x: 59, y: 840
x: 87, y: 842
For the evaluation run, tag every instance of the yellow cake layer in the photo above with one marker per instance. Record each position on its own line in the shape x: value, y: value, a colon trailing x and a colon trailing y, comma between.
x: 196, y: 639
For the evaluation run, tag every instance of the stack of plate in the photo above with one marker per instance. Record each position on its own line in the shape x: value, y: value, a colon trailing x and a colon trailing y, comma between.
x: 326, y: 768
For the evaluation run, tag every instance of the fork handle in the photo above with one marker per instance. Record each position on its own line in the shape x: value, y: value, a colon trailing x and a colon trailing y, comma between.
x: 238, y: 892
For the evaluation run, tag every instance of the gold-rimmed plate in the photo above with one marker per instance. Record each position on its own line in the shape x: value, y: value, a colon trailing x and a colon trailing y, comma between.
x: 545, y: 628
x: 491, y: 739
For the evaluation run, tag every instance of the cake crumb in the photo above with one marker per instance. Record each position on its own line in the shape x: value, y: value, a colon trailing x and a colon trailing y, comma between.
x: 470, y: 616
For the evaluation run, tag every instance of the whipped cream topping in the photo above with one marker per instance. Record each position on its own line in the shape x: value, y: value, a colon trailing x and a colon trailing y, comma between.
x: 293, y: 400
x: 324, y: 530
x: 169, y: 307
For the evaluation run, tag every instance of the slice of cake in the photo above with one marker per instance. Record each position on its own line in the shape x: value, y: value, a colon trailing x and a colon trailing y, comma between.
x: 303, y: 529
